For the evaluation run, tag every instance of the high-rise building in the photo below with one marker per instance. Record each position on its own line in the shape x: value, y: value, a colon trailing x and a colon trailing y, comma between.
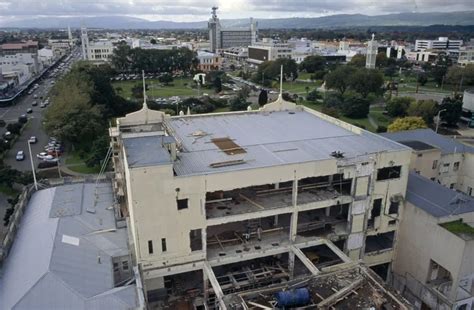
x: 85, y: 43
x: 443, y: 43
x: 371, y: 53
x: 69, y: 35
x: 221, y: 38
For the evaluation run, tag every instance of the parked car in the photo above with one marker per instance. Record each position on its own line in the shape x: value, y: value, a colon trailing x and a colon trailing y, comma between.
x: 29, y: 110
x: 20, y: 155
x: 34, y: 103
x: 50, y: 158
x: 42, y: 105
x: 32, y: 140
x: 41, y: 155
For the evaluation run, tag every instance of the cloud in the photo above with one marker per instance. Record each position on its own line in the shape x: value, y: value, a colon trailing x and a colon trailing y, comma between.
x: 200, y: 9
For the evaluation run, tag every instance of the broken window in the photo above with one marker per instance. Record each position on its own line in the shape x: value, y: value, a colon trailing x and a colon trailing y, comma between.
x: 389, y: 173
x: 182, y: 204
x: 393, y: 209
x: 445, y: 168
x: 228, y: 146
x: 456, y: 166
x: 195, y: 239
x: 392, y: 222
x: 163, y: 244
x: 376, y: 208
x: 435, y: 164
x: 125, y: 265
x: 150, y: 247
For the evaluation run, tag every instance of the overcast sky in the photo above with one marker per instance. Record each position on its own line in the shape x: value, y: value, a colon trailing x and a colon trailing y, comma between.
x: 195, y: 10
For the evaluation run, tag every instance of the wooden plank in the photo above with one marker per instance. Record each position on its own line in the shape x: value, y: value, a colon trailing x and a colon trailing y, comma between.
x: 340, y: 294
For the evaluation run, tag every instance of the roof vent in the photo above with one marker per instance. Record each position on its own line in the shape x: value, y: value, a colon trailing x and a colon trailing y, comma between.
x: 337, y: 154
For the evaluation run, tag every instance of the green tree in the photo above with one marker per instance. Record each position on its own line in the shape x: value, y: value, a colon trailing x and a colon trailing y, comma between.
x: 165, y: 78
x: 153, y: 41
x: 340, y: 78
x: 121, y: 57
x: 355, y: 107
x: 358, y: 61
x: 217, y: 84
x: 422, y: 79
x: 262, y: 98
x: 381, y: 60
x: 406, y: 123
x: 313, y: 63
x: 425, y: 109
x: 238, y: 104
x: 313, y: 96
x: 453, y: 107
x: 398, y: 106
x: 365, y: 81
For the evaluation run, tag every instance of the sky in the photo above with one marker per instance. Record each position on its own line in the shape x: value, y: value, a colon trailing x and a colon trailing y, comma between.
x: 197, y: 10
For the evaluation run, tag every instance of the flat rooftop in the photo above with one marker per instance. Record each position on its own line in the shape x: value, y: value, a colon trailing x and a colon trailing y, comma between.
x: 447, y: 145
x: 235, y: 141
x: 434, y: 198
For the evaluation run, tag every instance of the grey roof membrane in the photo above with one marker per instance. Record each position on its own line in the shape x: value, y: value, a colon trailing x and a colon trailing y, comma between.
x: 445, y: 144
x: 54, y: 260
x: 436, y: 199
x: 147, y: 151
x: 269, y: 139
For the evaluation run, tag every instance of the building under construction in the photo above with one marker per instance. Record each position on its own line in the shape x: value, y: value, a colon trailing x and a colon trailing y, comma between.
x: 253, y: 209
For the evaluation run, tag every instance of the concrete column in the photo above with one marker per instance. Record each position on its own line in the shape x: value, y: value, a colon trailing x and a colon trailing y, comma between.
x: 276, y: 220
x: 305, y: 260
x: 204, y: 239
x: 205, y: 284
x: 294, y: 195
x: 294, y: 215
x: 291, y: 264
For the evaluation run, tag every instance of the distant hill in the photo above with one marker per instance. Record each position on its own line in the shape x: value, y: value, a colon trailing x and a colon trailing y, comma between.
x: 332, y: 21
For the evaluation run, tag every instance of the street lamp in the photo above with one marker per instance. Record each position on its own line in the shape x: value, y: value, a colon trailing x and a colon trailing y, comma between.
x: 32, y: 165
x: 438, y: 118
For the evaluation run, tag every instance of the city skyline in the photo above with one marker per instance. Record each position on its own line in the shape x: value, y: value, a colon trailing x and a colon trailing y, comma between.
x: 183, y: 10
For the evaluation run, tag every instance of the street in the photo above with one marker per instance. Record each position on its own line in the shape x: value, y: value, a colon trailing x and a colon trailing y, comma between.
x: 34, y: 126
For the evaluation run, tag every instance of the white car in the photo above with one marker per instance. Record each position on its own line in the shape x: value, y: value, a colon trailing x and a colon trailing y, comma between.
x: 42, y: 155
x: 50, y: 158
x: 20, y: 155
x: 32, y: 140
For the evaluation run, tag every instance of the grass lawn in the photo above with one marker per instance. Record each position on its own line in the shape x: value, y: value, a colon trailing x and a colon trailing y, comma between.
x: 458, y: 227
x: 155, y: 90
x: 8, y: 191
x: 379, y: 117
x: 299, y: 87
x: 357, y: 122
x: 304, y: 75
x: 73, y: 158
x: 82, y: 168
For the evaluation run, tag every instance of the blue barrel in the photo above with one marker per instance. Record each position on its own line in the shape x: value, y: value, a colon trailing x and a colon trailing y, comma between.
x: 293, y: 298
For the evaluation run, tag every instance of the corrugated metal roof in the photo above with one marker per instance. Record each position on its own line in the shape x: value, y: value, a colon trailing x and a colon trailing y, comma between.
x: 54, y: 261
x: 436, y: 199
x: 445, y: 144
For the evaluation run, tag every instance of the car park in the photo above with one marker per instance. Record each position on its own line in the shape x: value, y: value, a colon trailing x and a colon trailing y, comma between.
x: 20, y: 155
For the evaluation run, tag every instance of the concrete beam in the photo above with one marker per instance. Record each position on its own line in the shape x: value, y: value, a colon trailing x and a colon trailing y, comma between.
x: 207, y: 269
x: 171, y: 270
x: 305, y: 260
x: 338, y: 252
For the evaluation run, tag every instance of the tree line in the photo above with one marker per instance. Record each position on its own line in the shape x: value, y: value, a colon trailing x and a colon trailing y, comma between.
x: 127, y: 59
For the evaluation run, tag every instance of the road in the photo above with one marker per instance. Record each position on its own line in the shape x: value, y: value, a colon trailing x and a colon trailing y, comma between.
x: 34, y: 127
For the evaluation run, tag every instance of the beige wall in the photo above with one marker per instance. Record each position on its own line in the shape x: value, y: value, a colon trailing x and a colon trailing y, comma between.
x: 422, y: 239
x: 424, y: 163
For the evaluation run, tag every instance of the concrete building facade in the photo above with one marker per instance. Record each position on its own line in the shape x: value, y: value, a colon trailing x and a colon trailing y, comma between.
x: 439, y: 158
x: 209, y: 61
x: 443, y: 43
x: 206, y: 192
x: 434, y: 257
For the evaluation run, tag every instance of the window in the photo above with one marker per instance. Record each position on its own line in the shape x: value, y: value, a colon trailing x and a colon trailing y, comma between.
x: 393, y: 209
x: 182, y: 204
x: 163, y: 244
x: 433, y: 179
x: 150, y: 247
x: 419, y: 155
x: 389, y: 173
x: 435, y: 164
x: 195, y: 239
x: 116, y: 267
x: 376, y: 208
x: 392, y: 222
x: 456, y: 166
x: 451, y: 186
x: 469, y: 191
x: 125, y: 265
x: 445, y: 167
